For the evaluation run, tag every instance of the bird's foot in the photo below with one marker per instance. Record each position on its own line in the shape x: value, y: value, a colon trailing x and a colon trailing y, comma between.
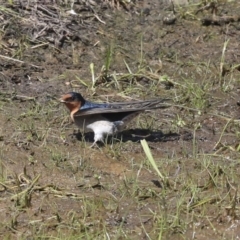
x: 97, y: 144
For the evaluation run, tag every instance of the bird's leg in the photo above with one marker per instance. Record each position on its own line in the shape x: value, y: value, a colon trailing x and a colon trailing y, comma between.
x: 94, y: 143
x: 97, y: 138
x: 97, y: 143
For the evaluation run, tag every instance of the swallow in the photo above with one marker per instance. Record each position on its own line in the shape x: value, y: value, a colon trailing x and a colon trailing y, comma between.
x: 105, y: 119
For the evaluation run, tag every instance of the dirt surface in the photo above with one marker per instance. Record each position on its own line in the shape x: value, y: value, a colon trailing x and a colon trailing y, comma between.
x: 54, y: 186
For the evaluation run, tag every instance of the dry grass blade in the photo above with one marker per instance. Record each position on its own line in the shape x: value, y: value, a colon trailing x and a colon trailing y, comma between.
x: 150, y: 158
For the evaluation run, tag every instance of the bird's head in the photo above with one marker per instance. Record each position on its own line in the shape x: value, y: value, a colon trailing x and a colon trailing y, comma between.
x: 73, y: 101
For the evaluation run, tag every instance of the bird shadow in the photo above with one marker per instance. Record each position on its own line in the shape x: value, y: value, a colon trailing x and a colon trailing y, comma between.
x: 134, y: 135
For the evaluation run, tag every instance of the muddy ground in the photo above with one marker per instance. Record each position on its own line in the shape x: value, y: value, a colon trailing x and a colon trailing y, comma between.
x: 54, y: 186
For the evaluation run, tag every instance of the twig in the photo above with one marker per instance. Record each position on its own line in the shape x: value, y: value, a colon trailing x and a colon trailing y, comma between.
x: 19, y: 61
x: 40, y: 45
x: 98, y: 18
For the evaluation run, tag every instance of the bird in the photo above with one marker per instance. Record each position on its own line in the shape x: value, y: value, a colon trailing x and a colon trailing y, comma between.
x: 105, y: 119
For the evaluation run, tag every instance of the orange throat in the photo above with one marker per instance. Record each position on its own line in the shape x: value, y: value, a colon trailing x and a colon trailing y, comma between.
x: 73, y: 107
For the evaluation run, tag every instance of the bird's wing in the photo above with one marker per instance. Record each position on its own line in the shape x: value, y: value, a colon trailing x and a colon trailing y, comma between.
x: 148, y: 104
x: 93, y: 111
x: 120, y: 107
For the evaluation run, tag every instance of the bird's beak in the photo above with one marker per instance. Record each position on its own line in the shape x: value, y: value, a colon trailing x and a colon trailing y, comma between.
x: 61, y: 100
